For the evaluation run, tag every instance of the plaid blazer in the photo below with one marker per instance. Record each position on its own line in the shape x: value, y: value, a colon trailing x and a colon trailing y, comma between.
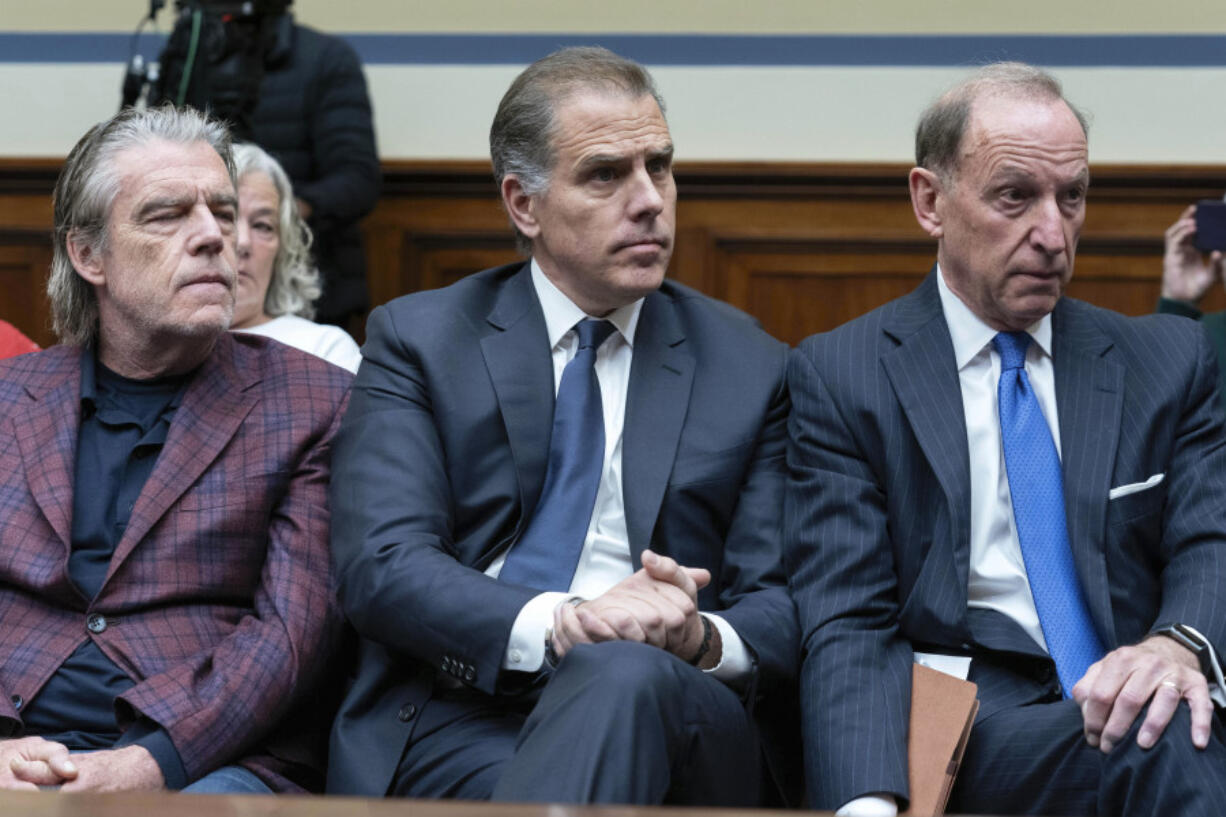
x: 218, y: 600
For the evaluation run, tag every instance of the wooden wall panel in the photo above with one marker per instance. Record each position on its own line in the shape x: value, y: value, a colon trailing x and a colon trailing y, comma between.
x: 24, y: 260
x: 803, y: 247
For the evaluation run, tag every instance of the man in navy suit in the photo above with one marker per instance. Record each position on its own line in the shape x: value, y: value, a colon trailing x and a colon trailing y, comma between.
x: 501, y: 656
x: 1026, y: 486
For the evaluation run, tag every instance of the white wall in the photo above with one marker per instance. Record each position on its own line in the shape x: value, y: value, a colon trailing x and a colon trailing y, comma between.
x: 1141, y: 114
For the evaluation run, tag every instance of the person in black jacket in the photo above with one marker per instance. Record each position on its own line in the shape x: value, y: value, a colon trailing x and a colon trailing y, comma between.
x: 314, y: 117
x: 1187, y: 276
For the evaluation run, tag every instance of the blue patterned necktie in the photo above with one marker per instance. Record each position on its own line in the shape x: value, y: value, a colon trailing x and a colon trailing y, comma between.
x: 546, y: 556
x: 1037, y: 489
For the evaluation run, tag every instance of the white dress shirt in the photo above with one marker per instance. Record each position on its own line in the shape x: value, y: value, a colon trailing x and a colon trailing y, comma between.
x: 605, y: 558
x: 997, y: 578
x: 997, y: 573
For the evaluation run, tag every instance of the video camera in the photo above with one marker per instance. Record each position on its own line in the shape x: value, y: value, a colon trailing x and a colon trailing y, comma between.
x: 215, y: 57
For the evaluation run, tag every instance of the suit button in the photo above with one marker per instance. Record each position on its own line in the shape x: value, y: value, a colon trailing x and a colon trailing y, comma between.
x: 446, y: 663
x: 95, y: 623
x: 406, y: 713
x: 17, y: 701
x: 470, y: 675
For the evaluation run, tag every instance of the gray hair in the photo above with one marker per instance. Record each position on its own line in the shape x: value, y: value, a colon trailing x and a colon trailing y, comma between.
x: 86, y: 190
x: 521, y: 137
x: 942, y: 126
x: 295, y: 280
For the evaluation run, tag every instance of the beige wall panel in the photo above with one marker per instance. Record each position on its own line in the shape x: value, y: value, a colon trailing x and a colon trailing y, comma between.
x: 677, y: 16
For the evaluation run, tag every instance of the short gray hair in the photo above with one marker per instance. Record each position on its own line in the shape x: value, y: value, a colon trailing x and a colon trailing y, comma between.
x: 942, y: 126
x: 521, y: 137
x: 86, y: 190
x: 294, y: 285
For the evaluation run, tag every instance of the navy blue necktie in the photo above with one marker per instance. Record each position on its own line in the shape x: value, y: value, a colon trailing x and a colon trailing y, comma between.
x: 1036, y: 486
x: 547, y: 554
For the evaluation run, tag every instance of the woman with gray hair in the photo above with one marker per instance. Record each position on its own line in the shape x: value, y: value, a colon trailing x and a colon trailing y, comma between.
x: 277, y: 283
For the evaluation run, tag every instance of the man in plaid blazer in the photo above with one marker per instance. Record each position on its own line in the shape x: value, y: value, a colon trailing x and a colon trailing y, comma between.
x: 165, y: 589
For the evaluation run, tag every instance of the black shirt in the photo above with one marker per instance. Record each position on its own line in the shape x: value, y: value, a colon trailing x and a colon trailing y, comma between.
x: 124, y: 424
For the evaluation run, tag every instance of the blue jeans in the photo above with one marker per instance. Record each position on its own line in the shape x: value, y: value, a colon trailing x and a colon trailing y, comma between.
x: 228, y: 780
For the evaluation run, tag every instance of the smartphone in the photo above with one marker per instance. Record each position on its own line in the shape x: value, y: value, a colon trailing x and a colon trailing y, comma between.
x: 1211, y: 225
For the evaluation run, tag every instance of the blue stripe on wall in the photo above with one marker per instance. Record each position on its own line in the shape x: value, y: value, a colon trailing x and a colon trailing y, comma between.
x: 1134, y: 51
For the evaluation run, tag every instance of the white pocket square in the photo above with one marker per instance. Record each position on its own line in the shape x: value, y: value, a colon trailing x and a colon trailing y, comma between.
x: 1135, y: 487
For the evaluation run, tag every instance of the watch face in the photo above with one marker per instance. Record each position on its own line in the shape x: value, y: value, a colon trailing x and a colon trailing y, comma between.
x: 1196, y: 643
x: 1185, y: 637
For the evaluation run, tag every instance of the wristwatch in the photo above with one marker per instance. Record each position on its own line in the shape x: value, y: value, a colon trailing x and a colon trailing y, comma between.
x: 551, y: 655
x: 1195, y: 642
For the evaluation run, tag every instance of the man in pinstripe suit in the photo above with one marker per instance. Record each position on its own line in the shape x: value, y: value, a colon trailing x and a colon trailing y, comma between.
x: 903, y: 528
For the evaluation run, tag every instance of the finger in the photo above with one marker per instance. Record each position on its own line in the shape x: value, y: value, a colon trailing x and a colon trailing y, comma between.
x: 700, y: 576
x: 568, y: 629
x: 666, y: 569
x: 10, y: 783
x: 672, y: 598
x: 559, y: 638
x: 1131, y: 699
x: 1081, y: 690
x: 61, y: 764
x: 1098, y: 690
x: 624, y: 625
x: 37, y: 772
x: 595, y: 628
x: 1197, y: 696
x: 1162, y: 707
x: 1179, y: 229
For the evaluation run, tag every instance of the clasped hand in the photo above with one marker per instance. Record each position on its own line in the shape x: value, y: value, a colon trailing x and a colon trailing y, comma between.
x: 657, y: 605
x: 31, y: 762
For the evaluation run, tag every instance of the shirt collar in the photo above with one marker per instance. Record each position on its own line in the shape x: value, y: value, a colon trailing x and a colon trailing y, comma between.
x: 970, y: 334
x: 89, y: 383
x: 561, y: 314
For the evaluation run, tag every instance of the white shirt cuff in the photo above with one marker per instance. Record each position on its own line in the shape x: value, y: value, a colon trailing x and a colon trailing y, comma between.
x: 870, y: 805
x: 526, y: 646
x: 734, y: 665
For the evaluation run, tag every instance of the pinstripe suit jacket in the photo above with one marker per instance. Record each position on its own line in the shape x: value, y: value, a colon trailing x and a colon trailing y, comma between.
x: 217, y: 600
x: 877, y: 512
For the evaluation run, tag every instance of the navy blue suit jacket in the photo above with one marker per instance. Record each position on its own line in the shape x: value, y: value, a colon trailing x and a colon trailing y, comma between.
x: 877, y: 519
x: 441, y: 459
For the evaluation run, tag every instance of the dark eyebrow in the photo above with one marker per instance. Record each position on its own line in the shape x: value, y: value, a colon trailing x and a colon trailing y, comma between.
x: 599, y: 159
x: 665, y: 152
x: 223, y: 200
x: 163, y: 203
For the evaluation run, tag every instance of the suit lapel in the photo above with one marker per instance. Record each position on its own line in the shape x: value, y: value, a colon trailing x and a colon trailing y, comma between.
x: 215, y: 404
x: 521, y: 370
x: 1089, y: 400
x: 46, y: 428
x: 657, y: 400
x: 922, y: 370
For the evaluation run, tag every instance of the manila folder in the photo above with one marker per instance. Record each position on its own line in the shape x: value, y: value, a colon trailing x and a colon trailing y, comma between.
x: 942, y: 712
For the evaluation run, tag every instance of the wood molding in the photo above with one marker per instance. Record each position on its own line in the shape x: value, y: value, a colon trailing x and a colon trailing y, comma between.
x: 802, y: 246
